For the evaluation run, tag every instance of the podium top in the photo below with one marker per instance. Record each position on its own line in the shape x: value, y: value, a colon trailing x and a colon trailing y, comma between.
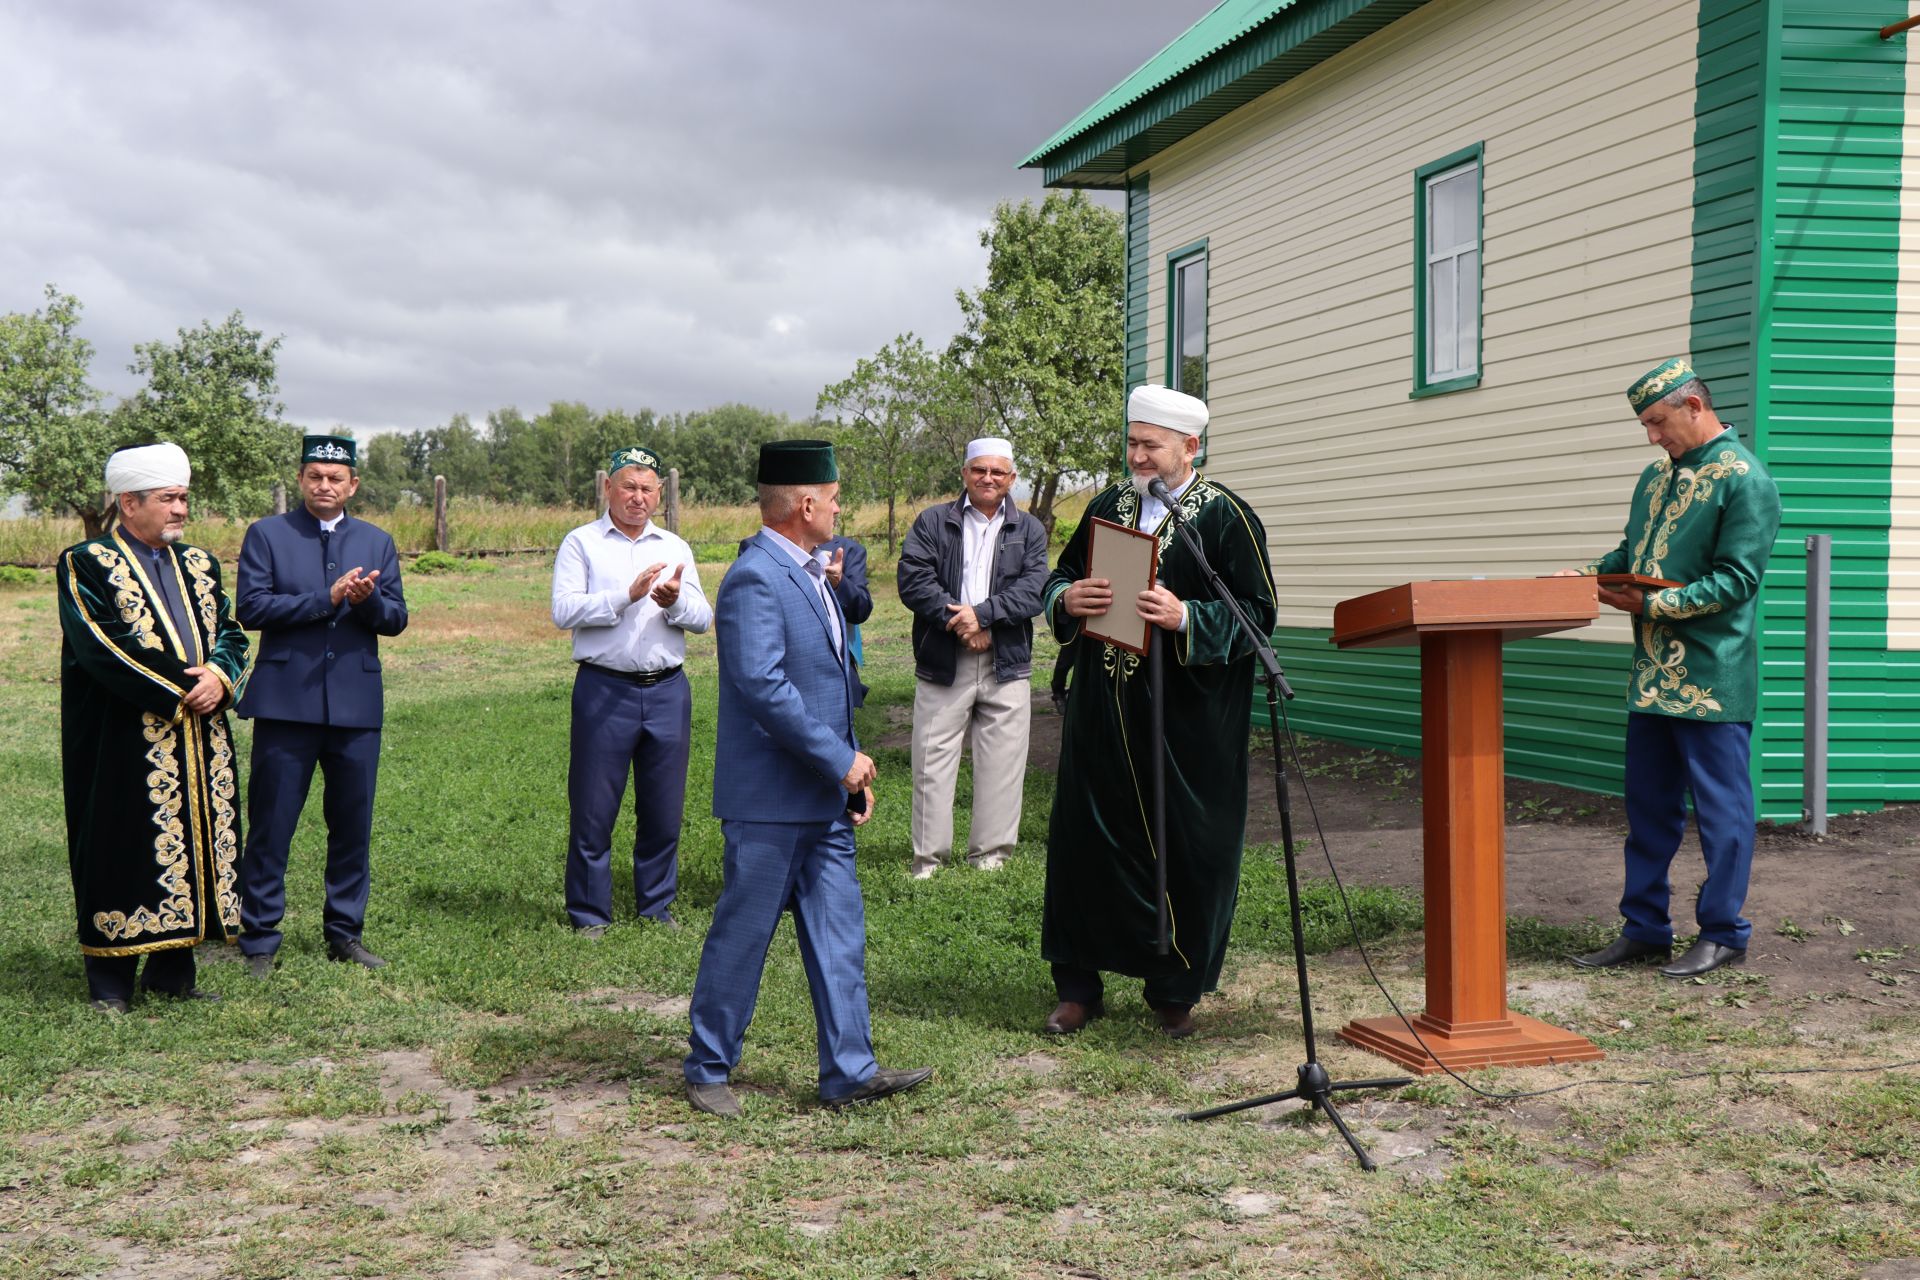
x: 1516, y: 608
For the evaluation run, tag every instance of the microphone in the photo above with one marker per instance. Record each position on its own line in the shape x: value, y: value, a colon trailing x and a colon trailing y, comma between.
x: 1158, y: 488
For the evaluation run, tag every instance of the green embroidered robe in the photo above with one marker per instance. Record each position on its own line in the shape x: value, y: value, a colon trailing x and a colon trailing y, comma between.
x: 1099, y: 911
x: 1706, y: 520
x: 153, y: 832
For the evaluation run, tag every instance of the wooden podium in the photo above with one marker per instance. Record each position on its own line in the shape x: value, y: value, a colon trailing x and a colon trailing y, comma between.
x: 1460, y: 627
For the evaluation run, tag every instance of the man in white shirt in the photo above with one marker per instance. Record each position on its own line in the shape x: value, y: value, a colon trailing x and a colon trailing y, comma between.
x: 971, y: 571
x: 629, y: 591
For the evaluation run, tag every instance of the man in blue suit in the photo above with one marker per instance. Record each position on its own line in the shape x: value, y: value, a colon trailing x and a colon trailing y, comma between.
x: 321, y: 588
x: 794, y: 787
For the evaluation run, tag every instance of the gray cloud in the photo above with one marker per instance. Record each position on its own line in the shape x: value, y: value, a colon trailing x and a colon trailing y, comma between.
x: 458, y: 206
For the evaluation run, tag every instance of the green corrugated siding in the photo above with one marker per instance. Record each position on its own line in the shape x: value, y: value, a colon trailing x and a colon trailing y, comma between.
x: 1138, y: 279
x: 1565, y: 701
x: 1826, y: 344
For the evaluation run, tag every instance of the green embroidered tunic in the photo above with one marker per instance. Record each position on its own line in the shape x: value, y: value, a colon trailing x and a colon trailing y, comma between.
x: 1707, y: 521
x: 153, y: 832
x: 1099, y: 911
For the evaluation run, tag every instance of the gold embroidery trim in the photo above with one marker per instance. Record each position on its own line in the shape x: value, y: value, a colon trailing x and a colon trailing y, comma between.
x: 1668, y: 604
x: 175, y: 912
x: 165, y: 615
x: 1660, y: 676
x: 222, y: 789
x: 1694, y: 485
x: 127, y: 598
x: 80, y: 608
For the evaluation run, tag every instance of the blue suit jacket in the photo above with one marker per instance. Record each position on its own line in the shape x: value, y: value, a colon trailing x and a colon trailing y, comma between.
x: 785, y: 733
x: 318, y: 663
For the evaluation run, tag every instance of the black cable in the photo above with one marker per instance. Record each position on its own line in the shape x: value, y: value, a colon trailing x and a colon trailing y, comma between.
x: 1353, y: 927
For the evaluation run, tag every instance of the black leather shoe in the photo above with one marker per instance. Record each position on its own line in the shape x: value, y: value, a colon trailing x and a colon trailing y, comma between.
x: 712, y: 1099
x: 350, y: 951
x: 191, y: 993
x: 665, y: 920
x: 260, y: 967
x: 1176, y: 1020
x: 1623, y: 950
x: 883, y: 1083
x: 108, y: 1006
x: 1069, y: 1016
x: 1704, y: 957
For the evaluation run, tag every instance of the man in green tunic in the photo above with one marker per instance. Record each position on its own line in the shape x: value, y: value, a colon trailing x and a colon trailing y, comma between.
x: 1100, y: 911
x: 1704, y: 516
x: 149, y: 660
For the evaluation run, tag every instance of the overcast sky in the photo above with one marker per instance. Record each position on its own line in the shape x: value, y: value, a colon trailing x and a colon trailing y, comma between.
x: 450, y: 207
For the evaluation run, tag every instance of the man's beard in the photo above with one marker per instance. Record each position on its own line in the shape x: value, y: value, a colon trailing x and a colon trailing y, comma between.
x: 1140, y: 481
x: 171, y: 535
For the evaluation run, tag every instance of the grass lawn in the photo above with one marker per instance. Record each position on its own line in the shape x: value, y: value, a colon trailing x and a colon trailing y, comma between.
x: 504, y: 1100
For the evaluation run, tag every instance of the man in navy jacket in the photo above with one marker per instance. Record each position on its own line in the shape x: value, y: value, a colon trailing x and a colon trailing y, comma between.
x: 321, y: 588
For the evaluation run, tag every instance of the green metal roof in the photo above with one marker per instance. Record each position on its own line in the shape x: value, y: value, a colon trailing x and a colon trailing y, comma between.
x: 1238, y: 51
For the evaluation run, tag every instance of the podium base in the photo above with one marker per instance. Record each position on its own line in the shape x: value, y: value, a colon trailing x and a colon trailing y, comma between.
x: 1515, y: 1041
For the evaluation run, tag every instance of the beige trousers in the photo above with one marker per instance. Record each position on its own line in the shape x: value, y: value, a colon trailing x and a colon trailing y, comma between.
x: 999, y: 717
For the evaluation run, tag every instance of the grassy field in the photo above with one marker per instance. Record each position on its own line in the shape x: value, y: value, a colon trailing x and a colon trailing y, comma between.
x: 504, y: 1100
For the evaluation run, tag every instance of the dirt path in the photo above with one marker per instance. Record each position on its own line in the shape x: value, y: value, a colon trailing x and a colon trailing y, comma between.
x: 1834, y: 918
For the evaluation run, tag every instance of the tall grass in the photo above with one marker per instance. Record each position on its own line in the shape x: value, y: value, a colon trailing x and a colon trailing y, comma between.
x: 480, y: 526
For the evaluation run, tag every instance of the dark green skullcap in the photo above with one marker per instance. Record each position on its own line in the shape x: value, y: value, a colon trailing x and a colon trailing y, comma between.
x: 1660, y: 381
x: 635, y: 456
x: 797, y: 462
x: 339, y: 449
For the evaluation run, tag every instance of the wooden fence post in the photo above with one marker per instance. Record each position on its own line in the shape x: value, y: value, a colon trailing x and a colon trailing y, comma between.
x: 279, y: 498
x: 600, y: 492
x: 439, y: 513
x: 673, y: 499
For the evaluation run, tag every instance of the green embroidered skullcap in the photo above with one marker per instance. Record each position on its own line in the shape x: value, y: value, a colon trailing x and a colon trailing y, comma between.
x: 797, y: 462
x: 328, y: 449
x: 1660, y: 381
x: 635, y: 456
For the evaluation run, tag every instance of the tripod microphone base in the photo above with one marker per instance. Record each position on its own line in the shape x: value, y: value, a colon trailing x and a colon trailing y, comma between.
x: 1316, y: 1089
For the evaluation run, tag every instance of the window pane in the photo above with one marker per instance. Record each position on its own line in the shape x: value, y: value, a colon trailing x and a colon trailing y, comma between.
x: 1442, y: 330
x: 1469, y: 312
x: 1190, y: 365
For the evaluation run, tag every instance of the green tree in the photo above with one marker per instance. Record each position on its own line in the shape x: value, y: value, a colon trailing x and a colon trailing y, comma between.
x: 456, y: 451
x: 887, y: 411
x: 718, y: 450
x: 1044, y: 339
x: 53, y: 437
x: 212, y: 392
x: 385, y: 478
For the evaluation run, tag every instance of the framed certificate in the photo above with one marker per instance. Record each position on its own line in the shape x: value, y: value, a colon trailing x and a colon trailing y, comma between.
x: 1128, y: 559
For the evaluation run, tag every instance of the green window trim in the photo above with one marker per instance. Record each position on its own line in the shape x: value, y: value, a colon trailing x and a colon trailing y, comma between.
x: 1184, y: 256
x: 1475, y: 155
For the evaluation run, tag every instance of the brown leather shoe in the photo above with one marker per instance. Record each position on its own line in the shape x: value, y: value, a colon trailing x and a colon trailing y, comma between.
x: 1176, y: 1020
x: 1069, y: 1016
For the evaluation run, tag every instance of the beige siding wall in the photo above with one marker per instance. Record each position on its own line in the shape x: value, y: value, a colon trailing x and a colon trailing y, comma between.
x: 1903, y: 539
x: 1306, y: 200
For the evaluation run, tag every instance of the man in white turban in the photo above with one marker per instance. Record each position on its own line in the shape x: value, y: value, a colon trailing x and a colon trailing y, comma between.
x: 149, y: 659
x: 971, y: 572
x: 1101, y: 904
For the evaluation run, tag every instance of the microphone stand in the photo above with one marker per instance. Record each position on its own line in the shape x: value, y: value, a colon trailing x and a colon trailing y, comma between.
x: 1313, y: 1085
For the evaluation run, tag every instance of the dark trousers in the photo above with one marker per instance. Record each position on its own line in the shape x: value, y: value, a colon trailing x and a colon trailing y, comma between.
x: 284, y: 756
x: 619, y: 725
x: 111, y: 977
x: 1668, y: 760
x: 1084, y: 986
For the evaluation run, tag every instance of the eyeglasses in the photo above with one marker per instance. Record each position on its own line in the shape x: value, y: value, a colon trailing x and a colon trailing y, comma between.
x: 988, y: 473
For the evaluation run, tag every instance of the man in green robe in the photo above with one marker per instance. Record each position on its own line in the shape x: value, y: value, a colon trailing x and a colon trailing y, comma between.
x: 1704, y: 516
x: 149, y: 660
x: 1101, y: 910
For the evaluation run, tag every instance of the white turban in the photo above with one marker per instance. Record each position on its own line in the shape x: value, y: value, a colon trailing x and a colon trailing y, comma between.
x: 151, y: 466
x: 1164, y: 407
x: 989, y: 447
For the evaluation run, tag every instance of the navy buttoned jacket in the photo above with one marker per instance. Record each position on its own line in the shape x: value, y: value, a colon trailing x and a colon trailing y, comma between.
x: 318, y: 663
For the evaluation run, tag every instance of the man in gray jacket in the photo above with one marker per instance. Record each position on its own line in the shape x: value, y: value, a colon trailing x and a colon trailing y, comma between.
x: 971, y: 571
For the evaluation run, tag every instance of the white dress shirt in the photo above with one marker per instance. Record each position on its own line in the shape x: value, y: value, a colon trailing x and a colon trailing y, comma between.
x: 591, y: 575
x: 979, y: 540
x: 817, y: 574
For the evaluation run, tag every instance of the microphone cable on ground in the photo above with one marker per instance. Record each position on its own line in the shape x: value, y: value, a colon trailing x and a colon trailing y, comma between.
x: 1353, y: 928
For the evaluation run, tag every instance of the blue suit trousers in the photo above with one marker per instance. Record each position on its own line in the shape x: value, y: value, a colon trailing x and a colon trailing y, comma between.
x: 768, y: 867
x: 1668, y: 761
x: 284, y: 755
x: 617, y: 725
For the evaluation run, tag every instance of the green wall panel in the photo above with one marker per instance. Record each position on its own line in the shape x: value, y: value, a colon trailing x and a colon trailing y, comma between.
x: 1137, y: 281
x: 1565, y: 702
